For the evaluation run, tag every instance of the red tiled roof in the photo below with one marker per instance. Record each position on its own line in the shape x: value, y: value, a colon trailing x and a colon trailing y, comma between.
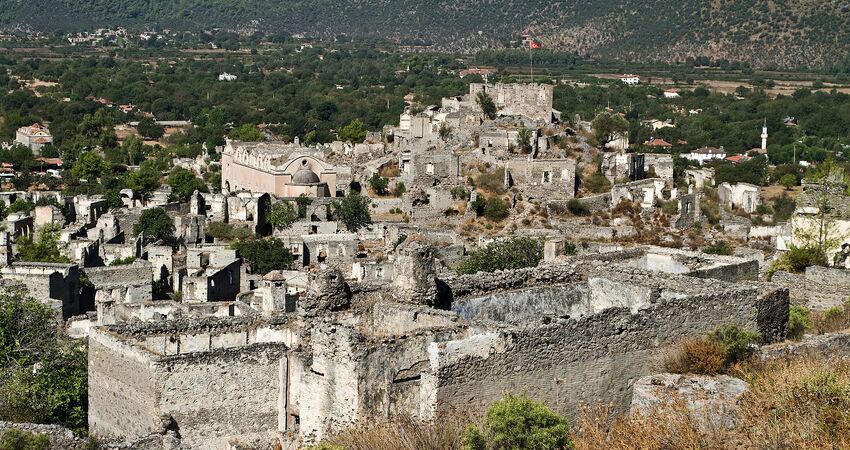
x: 658, y: 143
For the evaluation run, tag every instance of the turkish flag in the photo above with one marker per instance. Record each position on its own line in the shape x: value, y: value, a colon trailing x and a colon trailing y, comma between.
x: 535, y: 44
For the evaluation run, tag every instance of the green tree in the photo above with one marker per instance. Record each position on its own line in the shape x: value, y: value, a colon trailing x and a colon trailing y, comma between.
x: 246, y: 133
x: 485, y: 102
x: 511, y: 253
x: 146, y: 179
x: 265, y: 255
x: 90, y: 166
x: 282, y: 215
x: 184, y: 183
x: 788, y: 180
x: 607, y: 127
x: 523, y: 138
x: 353, y: 210
x: 155, y: 224
x: 44, y: 248
x: 354, y: 132
x: 519, y: 423
x: 148, y: 128
x: 379, y: 184
x: 44, y: 373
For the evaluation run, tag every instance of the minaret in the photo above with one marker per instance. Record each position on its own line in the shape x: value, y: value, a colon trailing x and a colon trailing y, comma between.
x: 764, y: 136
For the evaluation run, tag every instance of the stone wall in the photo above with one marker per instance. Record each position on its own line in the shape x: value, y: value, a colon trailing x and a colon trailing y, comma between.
x: 819, y: 288
x: 215, y: 380
x: 596, y: 357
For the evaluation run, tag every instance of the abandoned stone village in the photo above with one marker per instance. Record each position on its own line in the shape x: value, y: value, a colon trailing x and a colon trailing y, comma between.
x: 190, y: 347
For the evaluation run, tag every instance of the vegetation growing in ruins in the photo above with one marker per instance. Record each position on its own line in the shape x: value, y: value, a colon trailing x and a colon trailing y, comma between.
x: 799, y: 320
x: 720, y: 248
x: 282, y: 215
x: 184, y: 183
x: 45, y: 374
x: 378, y: 184
x: 487, y: 105
x: 353, y: 210
x: 43, y: 247
x: 716, y: 353
x: 13, y: 439
x: 510, y: 253
x: 518, y: 422
x: 227, y: 232
x: 123, y: 261
x: 155, y: 224
x: 265, y: 255
x: 608, y: 127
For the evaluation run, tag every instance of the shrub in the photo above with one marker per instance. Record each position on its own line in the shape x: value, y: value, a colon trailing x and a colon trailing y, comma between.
x: 13, y: 439
x: 265, y: 255
x: 379, y: 184
x: 399, y: 189
x: 597, y: 184
x: 492, y: 182
x: 517, y: 422
x: 801, y: 257
x: 123, y: 261
x: 569, y: 248
x: 513, y: 253
x: 577, y: 207
x: 478, y: 205
x: 720, y: 248
x: 700, y: 356
x: 739, y: 344
x: 282, y: 215
x: 496, y: 209
x: 459, y: 193
x: 670, y: 207
x: 799, y: 320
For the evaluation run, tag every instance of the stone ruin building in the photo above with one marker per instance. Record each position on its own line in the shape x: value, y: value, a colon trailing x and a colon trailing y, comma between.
x: 296, y: 368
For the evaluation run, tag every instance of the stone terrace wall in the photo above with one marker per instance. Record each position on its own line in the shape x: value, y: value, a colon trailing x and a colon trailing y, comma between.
x: 596, y: 357
x: 820, y: 288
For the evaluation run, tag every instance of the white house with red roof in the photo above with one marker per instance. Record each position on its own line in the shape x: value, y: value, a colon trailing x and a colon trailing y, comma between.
x: 630, y: 79
x: 34, y: 136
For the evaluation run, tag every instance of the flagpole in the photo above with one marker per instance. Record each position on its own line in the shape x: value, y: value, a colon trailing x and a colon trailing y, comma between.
x: 531, y: 59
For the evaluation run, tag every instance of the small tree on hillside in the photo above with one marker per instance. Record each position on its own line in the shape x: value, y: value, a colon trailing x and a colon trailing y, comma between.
x: 607, y: 127
x: 523, y: 138
x: 353, y: 211
x: 282, y: 215
x: 354, y: 132
x: 90, y: 166
x: 184, y: 183
x: 149, y: 129
x: 379, y: 184
x: 488, y: 106
x: 155, y: 224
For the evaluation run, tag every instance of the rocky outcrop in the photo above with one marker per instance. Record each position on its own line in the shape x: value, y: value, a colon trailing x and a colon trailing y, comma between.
x: 712, y: 401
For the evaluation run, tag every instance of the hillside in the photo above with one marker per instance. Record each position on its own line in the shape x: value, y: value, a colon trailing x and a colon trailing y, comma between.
x: 783, y: 33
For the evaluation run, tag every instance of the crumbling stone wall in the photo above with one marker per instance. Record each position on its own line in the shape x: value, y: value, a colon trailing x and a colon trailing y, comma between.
x: 819, y: 288
x: 596, y: 357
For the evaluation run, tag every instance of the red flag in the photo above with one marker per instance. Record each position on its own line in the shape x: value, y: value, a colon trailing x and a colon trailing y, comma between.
x: 535, y: 44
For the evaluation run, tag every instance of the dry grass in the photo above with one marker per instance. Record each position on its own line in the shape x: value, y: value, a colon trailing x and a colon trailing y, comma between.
x: 794, y: 403
x: 404, y: 434
x: 798, y: 403
x: 700, y: 356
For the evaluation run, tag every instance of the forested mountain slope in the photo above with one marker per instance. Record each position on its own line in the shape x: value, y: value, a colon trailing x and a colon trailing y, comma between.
x: 782, y: 33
